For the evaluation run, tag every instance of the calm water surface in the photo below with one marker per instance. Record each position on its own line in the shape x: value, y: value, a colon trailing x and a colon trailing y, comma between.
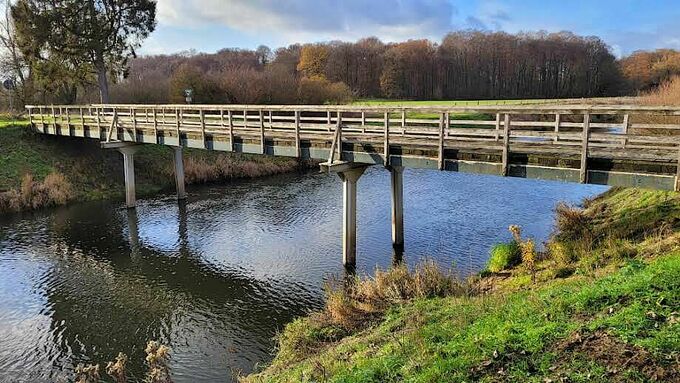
x: 216, y: 278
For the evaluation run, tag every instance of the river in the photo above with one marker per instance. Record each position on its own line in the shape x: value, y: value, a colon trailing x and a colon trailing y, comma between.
x: 217, y: 277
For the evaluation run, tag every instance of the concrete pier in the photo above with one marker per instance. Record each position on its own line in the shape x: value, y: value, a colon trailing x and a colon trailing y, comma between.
x: 128, y: 153
x: 179, y: 172
x: 397, y: 181
x: 349, y: 214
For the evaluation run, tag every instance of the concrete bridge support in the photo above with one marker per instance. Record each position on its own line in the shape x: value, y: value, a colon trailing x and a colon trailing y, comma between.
x: 179, y: 172
x: 128, y: 153
x: 349, y: 214
x: 397, y: 182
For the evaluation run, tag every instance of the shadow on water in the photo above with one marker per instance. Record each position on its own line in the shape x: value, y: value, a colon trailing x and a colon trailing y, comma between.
x: 215, y: 278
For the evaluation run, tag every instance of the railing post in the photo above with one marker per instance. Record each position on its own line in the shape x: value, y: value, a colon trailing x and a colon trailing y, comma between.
x: 82, y: 120
x: 263, y: 150
x: 440, y: 161
x: 155, y: 124
x: 403, y: 122
x: 179, y: 172
x: 626, y: 126
x: 677, y: 173
x: 386, y: 142
x: 298, y: 150
x: 506, y: 146
x: 202, y: 118
x: 178, y: 117
x: 363, y: 122
x: 498, y: 126
x: 231, y: 131
x: 133, y: 116
x: 558, y: 118
x: 584, y: 148
x: 339, y: 127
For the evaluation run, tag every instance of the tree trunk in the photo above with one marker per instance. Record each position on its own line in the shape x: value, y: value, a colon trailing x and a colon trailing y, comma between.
x: 102, y: 80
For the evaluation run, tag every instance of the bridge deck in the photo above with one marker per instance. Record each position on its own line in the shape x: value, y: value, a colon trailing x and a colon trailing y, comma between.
x: 614, y: 144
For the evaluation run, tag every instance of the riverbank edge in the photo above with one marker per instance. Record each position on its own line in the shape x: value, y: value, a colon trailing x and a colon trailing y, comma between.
x: 41, y: 171
x: 610, y: 313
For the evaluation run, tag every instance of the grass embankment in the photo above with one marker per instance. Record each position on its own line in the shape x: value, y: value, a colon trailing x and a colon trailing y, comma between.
x: 38, y: 170
x: 604, y: 307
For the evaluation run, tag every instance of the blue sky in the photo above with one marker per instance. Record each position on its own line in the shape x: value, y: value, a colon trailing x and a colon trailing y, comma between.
x: 209, y: 25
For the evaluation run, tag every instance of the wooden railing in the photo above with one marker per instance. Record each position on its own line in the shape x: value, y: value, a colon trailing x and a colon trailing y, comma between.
x: 647, y: 139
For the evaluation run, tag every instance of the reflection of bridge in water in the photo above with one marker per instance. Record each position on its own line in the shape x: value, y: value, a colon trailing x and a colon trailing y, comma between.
x: 614, y: 145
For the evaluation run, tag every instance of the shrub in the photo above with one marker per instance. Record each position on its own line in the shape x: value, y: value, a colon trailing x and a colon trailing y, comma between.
x: 572, y: 223
x: 55, y: 190
x: 504, y: 256
x: 561, y: 252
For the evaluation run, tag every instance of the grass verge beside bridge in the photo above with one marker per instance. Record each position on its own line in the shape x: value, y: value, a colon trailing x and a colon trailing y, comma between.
x: 604, y: 308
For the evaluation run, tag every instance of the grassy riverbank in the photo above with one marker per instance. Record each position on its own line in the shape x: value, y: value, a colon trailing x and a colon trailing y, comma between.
x: 38, y: 171
x: 604, y: 307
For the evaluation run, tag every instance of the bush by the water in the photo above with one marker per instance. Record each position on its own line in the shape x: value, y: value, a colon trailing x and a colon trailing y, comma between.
x: 504, y: 256
x: 54, y: 190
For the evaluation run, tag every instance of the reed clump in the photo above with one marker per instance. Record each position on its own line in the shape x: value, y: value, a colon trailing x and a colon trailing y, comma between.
x: 353, y: 305
x: 200, y: 170
x: 54, y: 190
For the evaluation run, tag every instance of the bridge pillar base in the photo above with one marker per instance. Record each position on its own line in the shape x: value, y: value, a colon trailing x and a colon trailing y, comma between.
x: 128, y: 153
x: 397, y: 183
x: 179, y: 172
x: 349, y: 179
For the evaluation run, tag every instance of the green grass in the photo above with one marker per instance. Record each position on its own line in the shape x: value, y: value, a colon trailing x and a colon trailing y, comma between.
x: 471, y: 339
x: 617, y: 321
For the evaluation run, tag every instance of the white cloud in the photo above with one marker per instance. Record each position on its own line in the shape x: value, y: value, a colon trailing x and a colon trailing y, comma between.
x: 305, y: 20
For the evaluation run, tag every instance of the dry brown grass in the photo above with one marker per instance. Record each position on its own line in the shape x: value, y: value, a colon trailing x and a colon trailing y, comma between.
x: 349, y: 304
x: 54, y: 190
x: 667, y: 93
x: 201, y: 170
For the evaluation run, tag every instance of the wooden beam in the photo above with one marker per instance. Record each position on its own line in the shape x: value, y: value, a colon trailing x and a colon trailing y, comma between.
x: 558, y: 118
x: 584, y: 148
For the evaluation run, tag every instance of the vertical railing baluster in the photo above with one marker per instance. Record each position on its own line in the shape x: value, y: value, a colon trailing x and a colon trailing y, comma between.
x: 498, y: 127
x: 558, y: 121
x: 386, y: 142
x: 298, y: 150
x: 506, y: 146
x: 626, y: 126
x: 584, y: 148
x: 263, y: 150
x: 231, y: 130
x: 339, y: 128
x: 155, y: 124
x: 440, y: 161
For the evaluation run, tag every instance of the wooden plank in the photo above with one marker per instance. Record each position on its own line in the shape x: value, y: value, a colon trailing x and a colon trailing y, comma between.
x: 441, y: 142
x: 584, y: 148
x: 558, y: 118
x: 386, y: 141
x: 506, y: 146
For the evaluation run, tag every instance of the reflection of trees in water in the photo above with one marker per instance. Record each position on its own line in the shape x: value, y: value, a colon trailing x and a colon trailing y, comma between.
x: 108, y: 292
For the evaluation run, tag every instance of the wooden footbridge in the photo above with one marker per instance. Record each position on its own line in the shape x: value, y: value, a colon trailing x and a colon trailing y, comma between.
x: 618, y: 145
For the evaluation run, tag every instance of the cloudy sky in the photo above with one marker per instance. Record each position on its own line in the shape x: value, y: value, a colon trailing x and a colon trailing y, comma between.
x: 209, y: 25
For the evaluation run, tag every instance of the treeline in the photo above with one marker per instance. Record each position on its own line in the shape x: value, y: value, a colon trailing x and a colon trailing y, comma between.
x: 465, y: 65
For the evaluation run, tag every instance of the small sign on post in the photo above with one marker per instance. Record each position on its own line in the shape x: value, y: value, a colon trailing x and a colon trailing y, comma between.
x: 189, y: 95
